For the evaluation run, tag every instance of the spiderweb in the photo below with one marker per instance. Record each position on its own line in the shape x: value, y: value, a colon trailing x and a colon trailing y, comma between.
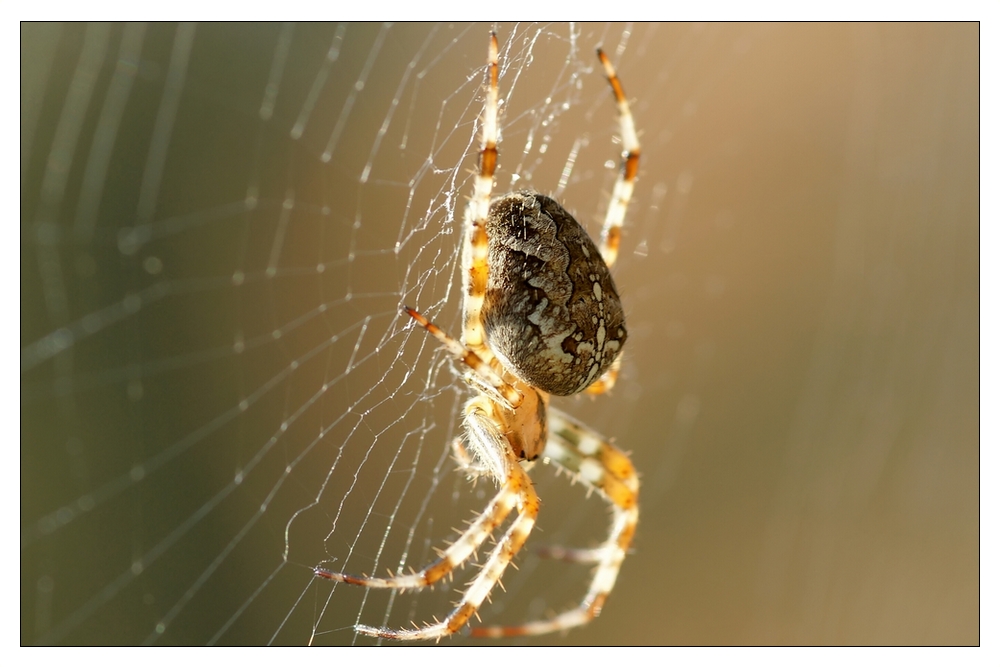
x: 218, y: 391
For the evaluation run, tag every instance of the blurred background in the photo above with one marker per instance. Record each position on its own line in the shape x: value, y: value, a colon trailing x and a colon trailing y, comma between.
x: 219, y: 223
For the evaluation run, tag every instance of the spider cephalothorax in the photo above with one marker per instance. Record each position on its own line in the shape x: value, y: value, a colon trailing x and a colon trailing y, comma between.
x: 541, y: 316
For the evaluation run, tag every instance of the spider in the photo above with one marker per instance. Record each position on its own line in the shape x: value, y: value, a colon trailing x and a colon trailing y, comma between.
x: 541, y: 317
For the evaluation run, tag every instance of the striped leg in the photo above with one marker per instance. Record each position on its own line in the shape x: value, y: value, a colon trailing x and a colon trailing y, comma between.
x: 483, y: 376
x: 604, y: 467
x: 517, y: 492
x: 604, y: 383
x: 474, y: 258
x: 450, y: 559
x: 611, y: 234
x: 489, y: 451
x: 622, y: 194
x: 469, y: 541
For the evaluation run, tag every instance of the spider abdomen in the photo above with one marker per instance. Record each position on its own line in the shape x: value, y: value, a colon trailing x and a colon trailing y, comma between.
x: 551, y: 311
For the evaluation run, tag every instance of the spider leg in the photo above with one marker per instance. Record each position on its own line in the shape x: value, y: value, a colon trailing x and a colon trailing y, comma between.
x: 607, y: 469
x: 486, y: 460
x: 486, y: 377
x: 451, y: 558
x: 604, y: 383
x: 611, y: 233
x: 474, y: 259
x: 516, y: 490
x: 621, y: 195
x: 466, y: 462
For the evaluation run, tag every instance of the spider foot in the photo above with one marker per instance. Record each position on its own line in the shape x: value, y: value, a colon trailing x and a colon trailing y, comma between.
x: 341, y: 576
x: 372, y: 631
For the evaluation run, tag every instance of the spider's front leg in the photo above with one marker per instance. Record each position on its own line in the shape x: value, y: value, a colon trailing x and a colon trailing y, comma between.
x: 627, y: 172
x: 451, y: 558
x: 516, y: 491
x: 495, y: 512
x: 602, y: 466
x: 503, y: 425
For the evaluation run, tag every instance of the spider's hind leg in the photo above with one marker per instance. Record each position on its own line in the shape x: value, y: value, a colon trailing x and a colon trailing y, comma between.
x: 621, y: 196
x: 629, y: 169
x: 475, y: 265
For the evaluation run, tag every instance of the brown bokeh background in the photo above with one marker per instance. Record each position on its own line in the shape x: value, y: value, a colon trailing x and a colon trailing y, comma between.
x: 800, y: 387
